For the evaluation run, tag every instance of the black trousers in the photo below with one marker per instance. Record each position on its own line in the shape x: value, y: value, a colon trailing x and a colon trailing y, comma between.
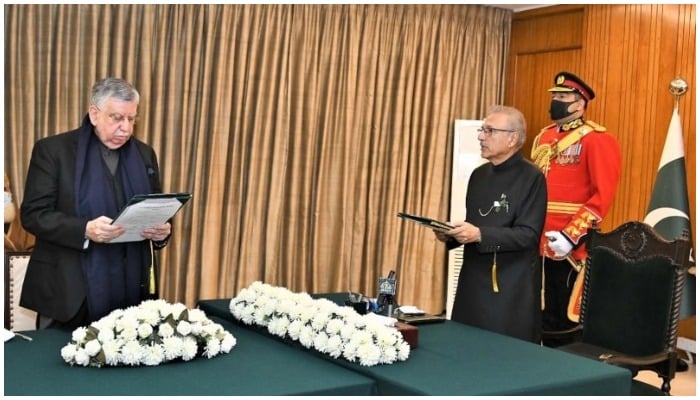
x: 559, y: 278
x: 80, y: 319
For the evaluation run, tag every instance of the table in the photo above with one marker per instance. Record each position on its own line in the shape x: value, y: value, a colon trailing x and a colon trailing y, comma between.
x: 257, y: 365
x: 456, y: 359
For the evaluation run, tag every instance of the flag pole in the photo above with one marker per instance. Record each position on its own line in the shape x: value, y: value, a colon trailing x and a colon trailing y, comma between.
x: 678, y: 87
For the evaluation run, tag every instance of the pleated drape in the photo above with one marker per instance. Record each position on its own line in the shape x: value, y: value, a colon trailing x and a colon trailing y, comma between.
x: 300, y: 130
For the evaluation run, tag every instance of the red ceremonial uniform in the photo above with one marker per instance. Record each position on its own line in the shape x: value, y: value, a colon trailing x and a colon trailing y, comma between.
x: 582, y: 176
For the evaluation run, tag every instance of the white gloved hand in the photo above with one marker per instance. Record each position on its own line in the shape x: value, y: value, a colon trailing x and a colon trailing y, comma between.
x: 558, y: 243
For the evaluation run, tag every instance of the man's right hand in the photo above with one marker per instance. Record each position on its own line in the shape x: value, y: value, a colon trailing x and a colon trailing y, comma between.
x: 101, y: 230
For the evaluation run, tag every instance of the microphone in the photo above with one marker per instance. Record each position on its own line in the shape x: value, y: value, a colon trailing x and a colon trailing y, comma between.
x: 387, y: 291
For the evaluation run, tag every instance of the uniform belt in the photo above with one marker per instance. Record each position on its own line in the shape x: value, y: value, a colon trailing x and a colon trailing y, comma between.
x: 563, y: 208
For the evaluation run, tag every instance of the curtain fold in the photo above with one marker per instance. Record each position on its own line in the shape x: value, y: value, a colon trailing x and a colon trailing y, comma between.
x: 300, y: 129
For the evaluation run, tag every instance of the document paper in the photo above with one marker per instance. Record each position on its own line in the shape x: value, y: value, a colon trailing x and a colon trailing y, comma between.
x: 144, y: 212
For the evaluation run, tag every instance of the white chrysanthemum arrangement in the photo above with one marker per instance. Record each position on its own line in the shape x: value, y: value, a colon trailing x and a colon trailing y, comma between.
x: 319, y: 324
x: 151, y: 333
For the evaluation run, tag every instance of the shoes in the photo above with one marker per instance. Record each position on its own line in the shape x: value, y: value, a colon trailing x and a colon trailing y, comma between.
x: 681, y: 366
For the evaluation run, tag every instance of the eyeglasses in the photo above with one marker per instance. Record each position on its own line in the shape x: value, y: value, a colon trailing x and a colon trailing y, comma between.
x: 117, y: 118
x: 489, y: 131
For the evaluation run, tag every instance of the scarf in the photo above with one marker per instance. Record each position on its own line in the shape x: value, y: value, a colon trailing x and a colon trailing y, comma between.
x: 116, y: 274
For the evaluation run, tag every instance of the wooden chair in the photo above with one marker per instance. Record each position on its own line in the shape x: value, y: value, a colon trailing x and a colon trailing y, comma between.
x: 631, y: 301
x: 17, y: 318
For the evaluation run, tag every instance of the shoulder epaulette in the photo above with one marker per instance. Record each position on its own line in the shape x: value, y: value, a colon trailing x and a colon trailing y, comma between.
x: 596, y: 127
x: 536, y: 140
x: 548, y: 127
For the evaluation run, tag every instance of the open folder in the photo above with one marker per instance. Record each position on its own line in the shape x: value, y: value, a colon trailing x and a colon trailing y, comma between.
x: 428, y: 222
x: 146, y: 210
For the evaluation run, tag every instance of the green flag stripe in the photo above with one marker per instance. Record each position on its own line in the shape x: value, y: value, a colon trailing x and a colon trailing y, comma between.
x: 672, y: 227
x: 670, y: 189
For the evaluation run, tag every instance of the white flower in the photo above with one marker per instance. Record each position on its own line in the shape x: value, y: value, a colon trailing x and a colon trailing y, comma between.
x: 334, y: 346
x: 278, y: 326
x: 79, y: 334
x: 111, y: 350
x: 247, y: 314
x: 404, y: 350
x: 172, y: 347
x: 350, y: 351
x: 148, y: 316
x: 319, y: 324
x: 347, y: 331
x: 183, y: 328
x: 212, y: 348
x: 127, y: 322
x: 129, y: 333
x: 295, y: 309
x: 294, y: 329
x: 145, y: 330
x: 82, y: 357
x: 321, y: 342
x: 248, y: 296
x: 260, y: 318
x: 227, y: 343
x: 369, y: 354
x: 68, y: 352
x: 207, y: 330
x: 385, y: 338
x: 165, y: 330
x: 189, y: 348
x: 130, y: 353
x: 334, y: 326
x: 92, y: 347
x: 105, y: 334
x: 176, y: 310
x: 319, y: 321
x: 388, y: 355
x: 126, y: 337
x: 306, y: 336
x: 197, y: 315
x: 153, y: 354
x: 198, y: 329
x: 307, y: 314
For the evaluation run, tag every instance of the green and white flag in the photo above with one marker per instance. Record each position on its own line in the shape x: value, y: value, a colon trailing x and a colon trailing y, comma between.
x: 668, y: 211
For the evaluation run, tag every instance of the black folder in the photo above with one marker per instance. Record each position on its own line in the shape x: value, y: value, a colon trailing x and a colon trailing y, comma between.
x: 427, y: 222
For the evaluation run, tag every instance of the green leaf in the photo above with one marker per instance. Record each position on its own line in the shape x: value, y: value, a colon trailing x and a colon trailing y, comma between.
x: 100, y: 357
x: 171, y: 320
x: 91, y: 334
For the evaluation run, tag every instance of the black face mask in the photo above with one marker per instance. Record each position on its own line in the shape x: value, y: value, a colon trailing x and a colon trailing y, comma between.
x: 560, y: 109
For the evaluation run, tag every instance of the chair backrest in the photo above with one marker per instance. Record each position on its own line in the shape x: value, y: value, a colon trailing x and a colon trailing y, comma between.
x: 17, y: 318
x: 632, y: 289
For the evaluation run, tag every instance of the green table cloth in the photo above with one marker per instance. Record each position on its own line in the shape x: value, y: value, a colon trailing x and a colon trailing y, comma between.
x: 454, y: 359
x: 257, y: 365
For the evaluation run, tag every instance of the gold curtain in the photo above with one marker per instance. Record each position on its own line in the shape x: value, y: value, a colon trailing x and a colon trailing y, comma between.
x: 300, y: 130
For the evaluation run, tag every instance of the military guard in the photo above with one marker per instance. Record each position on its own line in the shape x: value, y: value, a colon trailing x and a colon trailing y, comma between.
x: 581, y: 162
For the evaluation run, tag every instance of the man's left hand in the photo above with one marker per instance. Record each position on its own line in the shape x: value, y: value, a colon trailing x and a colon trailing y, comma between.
x: 558, y: 243
x: 157, y: 233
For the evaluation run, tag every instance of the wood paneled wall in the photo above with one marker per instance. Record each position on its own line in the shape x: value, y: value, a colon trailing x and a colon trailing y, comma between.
x: 628, y: 53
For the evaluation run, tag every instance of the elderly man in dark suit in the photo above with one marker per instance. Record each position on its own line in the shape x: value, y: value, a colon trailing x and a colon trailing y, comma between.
x: 76, y: 184
x: 500, y: 280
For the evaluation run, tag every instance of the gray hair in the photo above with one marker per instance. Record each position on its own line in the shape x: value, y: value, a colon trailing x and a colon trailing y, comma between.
x: 113, y: 88
x: 516, y: 121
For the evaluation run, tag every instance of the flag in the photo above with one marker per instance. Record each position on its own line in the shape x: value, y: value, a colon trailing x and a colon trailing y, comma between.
x: 668, y: 211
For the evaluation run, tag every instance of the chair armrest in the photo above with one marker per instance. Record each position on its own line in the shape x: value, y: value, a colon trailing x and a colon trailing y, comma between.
x: 563, y: 334
x: 622, y: 360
